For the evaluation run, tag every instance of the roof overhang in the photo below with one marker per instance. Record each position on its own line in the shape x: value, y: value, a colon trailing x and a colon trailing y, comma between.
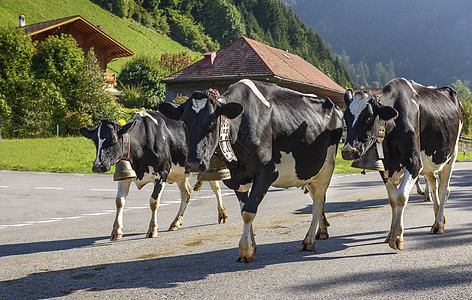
x: 98, y: 36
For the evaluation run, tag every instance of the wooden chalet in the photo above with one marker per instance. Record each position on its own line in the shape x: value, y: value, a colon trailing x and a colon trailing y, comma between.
x: 85, y: 33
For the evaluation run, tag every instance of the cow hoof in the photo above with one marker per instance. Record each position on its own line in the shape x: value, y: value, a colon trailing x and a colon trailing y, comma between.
x: 322, y: 236
x: 395, y: 244
x: 222, y: 218
x: 437, y: 229
x: 387, y: 239
x: 116, y: 236
x: 246, y: 259
x: 173, y: 228
x: 151, y: 234
x: 307, y: 247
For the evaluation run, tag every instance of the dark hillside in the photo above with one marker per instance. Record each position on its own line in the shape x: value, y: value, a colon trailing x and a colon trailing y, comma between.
x: 428, y: 41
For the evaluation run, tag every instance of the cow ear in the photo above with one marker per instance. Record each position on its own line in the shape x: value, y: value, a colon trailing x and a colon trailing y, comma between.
x: 170, y: 110
x: 87, y: 132
x: 387, y: 113
x: 348, y: 97
x: 230, y: 110
x: 127, y: 127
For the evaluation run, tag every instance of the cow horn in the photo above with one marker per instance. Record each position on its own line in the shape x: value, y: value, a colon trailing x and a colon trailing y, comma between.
x: 123, y: 171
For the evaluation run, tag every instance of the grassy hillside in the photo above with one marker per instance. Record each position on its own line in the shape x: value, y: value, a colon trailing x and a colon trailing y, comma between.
x: 132, y: 35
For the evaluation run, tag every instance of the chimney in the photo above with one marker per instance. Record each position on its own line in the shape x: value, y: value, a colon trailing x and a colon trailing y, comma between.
x: 22, y: 21
x: 208, y: 59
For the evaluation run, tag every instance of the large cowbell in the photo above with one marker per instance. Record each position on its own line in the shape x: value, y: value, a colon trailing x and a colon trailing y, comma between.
x: 123, y: 171
x: 217, y: 169
x: 370, y: 160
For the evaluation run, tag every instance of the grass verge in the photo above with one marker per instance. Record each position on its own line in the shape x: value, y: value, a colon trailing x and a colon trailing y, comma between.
x: 76, y: 155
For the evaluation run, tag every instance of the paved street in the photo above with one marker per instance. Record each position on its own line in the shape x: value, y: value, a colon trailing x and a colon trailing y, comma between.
x: 54, y: 242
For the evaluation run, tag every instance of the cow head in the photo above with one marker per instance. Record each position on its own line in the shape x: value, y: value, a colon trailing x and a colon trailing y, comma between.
x: 108, y: 140
x: 200, y: 117
x: 362, y: 117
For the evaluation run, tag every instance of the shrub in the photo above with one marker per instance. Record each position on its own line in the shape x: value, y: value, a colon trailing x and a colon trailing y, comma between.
x: 142, y: 71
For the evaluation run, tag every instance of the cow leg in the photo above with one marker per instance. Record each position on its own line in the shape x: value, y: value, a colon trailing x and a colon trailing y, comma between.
x: 121, y: 194
x: 433, y: 186
x: 322, y: 233
x: 391, y: 190
x: 317, y: 192
x: 185, y: 191
x: 421, y: 191
x: 215, y: 186
x: 265, y: 176
x: 401, y: 198
x: 444, y: 190
x: 419, y: 188
x: 154, y: 204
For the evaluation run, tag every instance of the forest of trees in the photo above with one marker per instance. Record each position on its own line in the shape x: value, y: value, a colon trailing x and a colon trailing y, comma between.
x: 427, y: 41
x: 206, y: 25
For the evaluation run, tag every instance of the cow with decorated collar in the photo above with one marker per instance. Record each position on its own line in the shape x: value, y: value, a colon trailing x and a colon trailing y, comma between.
x: 156, y: 149
x: 269, y: 136
x: 421, y: 127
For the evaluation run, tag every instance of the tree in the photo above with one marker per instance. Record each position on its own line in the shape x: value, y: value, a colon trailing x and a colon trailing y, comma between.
x: 53, y: 85
x: 463, y: 92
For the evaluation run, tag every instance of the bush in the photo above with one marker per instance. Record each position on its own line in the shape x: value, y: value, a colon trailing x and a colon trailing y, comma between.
x: 132, y: 96
x: 172, y: 63
x: 142, y: 71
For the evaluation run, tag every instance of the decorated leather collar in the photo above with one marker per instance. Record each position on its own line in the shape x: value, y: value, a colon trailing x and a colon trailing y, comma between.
x: 224, y: 140
x: 126, y: 147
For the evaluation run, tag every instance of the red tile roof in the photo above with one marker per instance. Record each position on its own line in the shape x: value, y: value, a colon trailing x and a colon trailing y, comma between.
x: 247, y: 58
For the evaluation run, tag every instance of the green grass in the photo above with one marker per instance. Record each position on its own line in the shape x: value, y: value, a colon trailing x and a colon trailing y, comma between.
x: 63, y: 155
x: 76, y: 155
x: 137, y: 38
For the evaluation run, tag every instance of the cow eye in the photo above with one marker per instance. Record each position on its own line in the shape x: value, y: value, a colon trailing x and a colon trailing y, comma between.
x: 212, y: 124
x: 113, y: 140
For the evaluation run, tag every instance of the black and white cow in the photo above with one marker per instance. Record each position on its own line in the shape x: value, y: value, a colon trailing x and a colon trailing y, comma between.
x: 422, y: 126
x: 155, y: 146
x: 269, y: 136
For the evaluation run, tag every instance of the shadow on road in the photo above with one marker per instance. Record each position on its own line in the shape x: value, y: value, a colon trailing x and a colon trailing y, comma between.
x: 47, y: 246
x: 161, y: 273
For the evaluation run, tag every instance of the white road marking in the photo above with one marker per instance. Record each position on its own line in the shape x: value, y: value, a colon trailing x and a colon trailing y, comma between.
x: 95, y: 214
x: 48, y: 188
x: 4, y: 186
x: 106, y: 212
x: 103, y: 190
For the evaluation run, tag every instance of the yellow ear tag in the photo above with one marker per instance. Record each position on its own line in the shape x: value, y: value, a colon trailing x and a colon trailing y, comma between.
x: 121, y: 122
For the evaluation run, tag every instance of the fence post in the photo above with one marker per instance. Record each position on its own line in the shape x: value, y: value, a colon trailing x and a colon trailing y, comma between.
x: 57, y: 130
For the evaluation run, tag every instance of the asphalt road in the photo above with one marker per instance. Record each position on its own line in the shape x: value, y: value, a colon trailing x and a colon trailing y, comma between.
x: 54, y: 242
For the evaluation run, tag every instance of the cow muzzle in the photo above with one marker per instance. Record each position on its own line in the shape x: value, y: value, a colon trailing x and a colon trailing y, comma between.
x: 99, y: 169
x: 349, y: 153
x: 195, y: 166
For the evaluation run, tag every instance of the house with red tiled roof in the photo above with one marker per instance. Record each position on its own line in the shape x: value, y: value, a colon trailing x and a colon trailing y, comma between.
x: 85, y: 33
x: 247, y: 58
